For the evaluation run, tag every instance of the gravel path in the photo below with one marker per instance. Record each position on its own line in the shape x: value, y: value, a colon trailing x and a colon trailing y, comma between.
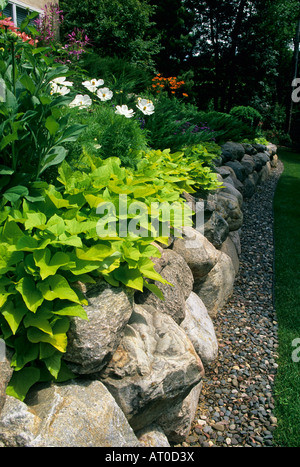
x: 236, y: 404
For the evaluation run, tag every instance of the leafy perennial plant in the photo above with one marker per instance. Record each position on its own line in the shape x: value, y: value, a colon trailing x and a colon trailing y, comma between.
x: 47, y: 246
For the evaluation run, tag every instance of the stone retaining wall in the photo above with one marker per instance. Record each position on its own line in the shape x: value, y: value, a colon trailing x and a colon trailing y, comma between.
x: 140, y: 361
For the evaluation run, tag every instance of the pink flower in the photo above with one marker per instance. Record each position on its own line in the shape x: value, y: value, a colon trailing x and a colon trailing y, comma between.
x: 7, y: 23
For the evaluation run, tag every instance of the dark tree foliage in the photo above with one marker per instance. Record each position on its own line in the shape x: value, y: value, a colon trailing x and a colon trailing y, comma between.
x: 115, y: 28
x: 240, y: 51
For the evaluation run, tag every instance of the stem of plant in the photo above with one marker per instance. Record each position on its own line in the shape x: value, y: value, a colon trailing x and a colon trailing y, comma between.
x: 13, y: 67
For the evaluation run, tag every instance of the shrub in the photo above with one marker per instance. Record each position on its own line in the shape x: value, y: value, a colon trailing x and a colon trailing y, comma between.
x: 247, y: 115
x: 226, y: 127
x: 121, y: 29
x: 176, y: 124
x: 108, y: 135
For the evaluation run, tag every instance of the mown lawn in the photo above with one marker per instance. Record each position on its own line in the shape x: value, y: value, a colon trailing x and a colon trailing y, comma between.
x: 287, y: 300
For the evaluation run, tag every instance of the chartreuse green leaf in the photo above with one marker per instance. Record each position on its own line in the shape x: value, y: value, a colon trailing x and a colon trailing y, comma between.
x: 39, y: 320
x: 155, y: 289
x: 130, y: 277
x: 53, y: 363
x: 58, y: 339
x: 13, y: 314
x: 146, y: 267
x: 32, y: 297
x: 95, y: 253
x: 35, y: 219
x: 57, y: 199
x: 57, y: 287
x: 66, y: 309
x: 5, y: 292
x: 56, y: 225
x: 11, y: 233
x: 49, y: 266
x: 22, y: 381
x: 27, y: 243
x: 9, y: 258
x: 52, y: 125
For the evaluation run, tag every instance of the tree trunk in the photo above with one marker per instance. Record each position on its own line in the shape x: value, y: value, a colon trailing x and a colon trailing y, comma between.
x: 232, y: 52
x: 295, y: 72
x: 214, y: 40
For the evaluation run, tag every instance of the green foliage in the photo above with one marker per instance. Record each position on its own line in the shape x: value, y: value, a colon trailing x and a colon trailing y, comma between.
x: 176, y: 124
x: 107, y: 135
x: 115, y: 28
x: 246, y: 114
x: 118, y: 73
x: 34, y: 127
x: 226, y: 127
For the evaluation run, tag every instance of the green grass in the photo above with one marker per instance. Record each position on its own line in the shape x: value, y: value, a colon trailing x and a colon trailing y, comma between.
x: 287, y: 300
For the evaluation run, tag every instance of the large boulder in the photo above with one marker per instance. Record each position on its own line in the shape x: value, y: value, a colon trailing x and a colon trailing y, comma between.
x: 235, y: 237
x: 216, y: 288
x: 239, y: 169
x: 248, y: 164
x: 177, y: 421
x: 259, y: 147
x: 229, y: 248
x: 274, y: 161
x: 229, y: 208
x: 152, y: 436
x: 271, y: 149
x: 91, y: 343
x: 172, y: 267
x: 229, y: 188
x: 199, y: 327
x: 232, y: 178
x: 6, y: 371
x: 77, y: 414
x: 216, y: 229
x: 250, y: 184
x: 19, y: 426
x: 249, y: 149
x: 265, y: 172
x: 154, y: 367
x: 232, y: 151
x: 260, y: 159
x: 199, y: 254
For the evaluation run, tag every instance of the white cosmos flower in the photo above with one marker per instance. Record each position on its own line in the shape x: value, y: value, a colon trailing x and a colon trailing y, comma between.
x: 62, y: 81
x: 81, y: 101
x: 123, y: 110
x: 62, y: 90
x: 104, y: 94
x: 146, y: 106
x: 93, y: 84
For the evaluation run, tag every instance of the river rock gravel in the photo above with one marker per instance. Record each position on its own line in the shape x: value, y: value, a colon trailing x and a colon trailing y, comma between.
x: 236, y: 405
